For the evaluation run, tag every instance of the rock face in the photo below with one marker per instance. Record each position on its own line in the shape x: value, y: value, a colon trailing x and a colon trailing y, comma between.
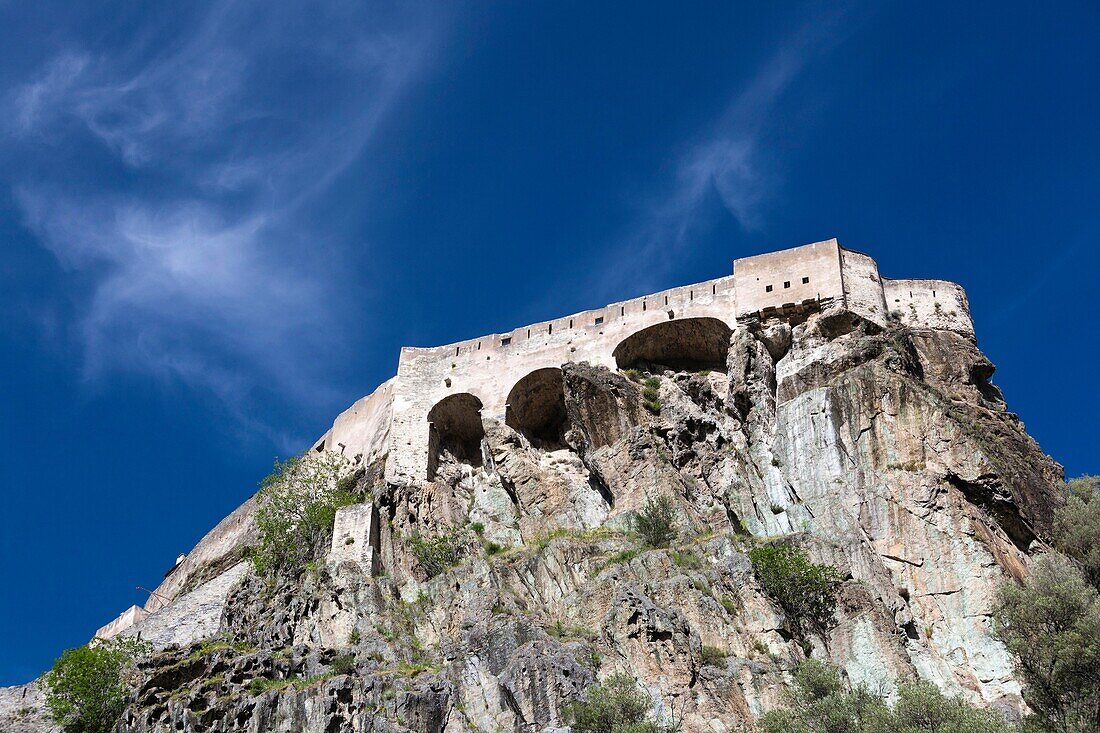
x: 882, y: 450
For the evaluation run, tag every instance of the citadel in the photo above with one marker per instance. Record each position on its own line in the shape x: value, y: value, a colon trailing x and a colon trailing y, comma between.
x: 442, y: 397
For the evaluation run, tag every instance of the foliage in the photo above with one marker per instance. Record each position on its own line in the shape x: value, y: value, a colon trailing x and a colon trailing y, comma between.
x: 1077, y: 526
x: 438, y: 553
x: 343, y: 664
x: 656, y: 521
x: 88, y: 687
x: 614, y: 706
x: 650, y: 395
x: 805, y: 590
x: 1052, y: 624
x: 713, y: 656
x: 297, y: 507
x: 819, y: 701
x: 633, y: 375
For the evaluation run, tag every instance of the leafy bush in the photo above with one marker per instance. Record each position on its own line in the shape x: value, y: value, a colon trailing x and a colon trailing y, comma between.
x: 1077, y: 526
x: 633, y: 375
x: 615, y: 706
x: 650, y: 395
x: 820, y: 702
x: 436, y: 554
x: 656, y: 521
x: 1052, y: 625
x: 805, y: 590
x: 297, y: 506
x: 88, y: 687
x: 343, y: 664
x: 712, y: 656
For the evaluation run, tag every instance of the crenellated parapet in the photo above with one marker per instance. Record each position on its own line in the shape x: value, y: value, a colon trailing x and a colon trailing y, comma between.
x: 445, y: 392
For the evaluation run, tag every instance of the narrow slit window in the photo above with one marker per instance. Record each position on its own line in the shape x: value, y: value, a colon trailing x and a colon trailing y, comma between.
x: 666, y: 300
x: 622, y: 311
x: 571, y: 323
x: 550, y: 328
x: 456, y: 351
x: 643, y: 304
x: 713, y: 289
x: 691, y: 295
x: 479, y: 346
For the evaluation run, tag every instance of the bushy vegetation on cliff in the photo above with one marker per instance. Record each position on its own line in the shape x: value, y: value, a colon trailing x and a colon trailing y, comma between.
x: 806, y: 590
x: 297, y: 505
x: 1051, y: 622
x: 88, y: 687
x: 819, y: 701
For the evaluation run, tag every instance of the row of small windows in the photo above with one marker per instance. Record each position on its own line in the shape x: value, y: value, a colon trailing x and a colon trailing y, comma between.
x: 786, y: 284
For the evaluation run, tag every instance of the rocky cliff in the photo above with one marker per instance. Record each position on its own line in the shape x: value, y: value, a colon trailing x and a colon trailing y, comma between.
x: 883, y: 451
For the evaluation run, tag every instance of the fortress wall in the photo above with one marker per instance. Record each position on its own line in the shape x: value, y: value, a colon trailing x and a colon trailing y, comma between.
x: 863, y: 285
x: 488, y: 367
x: 218, y: 546
x: 361, y: 432
x: 794, y: 275
x: 938, y: 304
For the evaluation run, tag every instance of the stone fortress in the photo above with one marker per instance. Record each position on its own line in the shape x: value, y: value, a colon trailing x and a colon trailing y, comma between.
x: 441, y: 397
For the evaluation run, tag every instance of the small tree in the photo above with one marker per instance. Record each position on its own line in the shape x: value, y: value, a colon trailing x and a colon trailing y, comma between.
x: 656, y: 522
x: 1052, y: 625
x: 436, y: 554
x: 88, y: 687
x: 297, y: 507
x: 1077, y: 526
x: 805, y: 590
x: 614, y: 706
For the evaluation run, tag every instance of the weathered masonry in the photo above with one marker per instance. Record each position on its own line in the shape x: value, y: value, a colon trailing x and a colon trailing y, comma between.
x: 441, y: 395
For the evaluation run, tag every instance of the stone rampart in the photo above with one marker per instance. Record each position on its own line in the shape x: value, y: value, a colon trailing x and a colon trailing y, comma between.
x: 936, y: 304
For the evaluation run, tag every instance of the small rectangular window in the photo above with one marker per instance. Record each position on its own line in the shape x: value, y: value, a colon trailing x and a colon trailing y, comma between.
x: 767, y: 288
x: 713, y: 289
x: 666, y: 300
x: 786, y: 283
x: 805, y: 280
x: 622, y: 311
x: 550, y: 328
x: 479, y: 346
x: 506, y: 340
x: 571, y: 323
x: 599, y: 320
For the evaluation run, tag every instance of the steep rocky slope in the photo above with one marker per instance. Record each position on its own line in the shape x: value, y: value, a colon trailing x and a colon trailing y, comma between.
x: 885, y: 452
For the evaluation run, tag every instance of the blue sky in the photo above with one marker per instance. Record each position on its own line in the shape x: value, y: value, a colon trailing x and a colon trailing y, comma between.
x: 220, y: 224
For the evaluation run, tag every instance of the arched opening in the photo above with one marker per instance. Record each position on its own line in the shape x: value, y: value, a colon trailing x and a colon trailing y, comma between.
x: 455, y: 431
x: 685, y: 344
x: 536, y: 408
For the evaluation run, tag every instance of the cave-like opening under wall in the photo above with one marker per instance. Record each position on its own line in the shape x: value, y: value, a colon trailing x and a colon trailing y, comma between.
x: 685, y: 344
x: 536, y: 408
x: 455, y: 428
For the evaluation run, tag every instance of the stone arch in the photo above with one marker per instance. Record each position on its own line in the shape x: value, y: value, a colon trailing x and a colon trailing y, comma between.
x: 536, y: 408
x: 455, y: 428
x: 682, y: 344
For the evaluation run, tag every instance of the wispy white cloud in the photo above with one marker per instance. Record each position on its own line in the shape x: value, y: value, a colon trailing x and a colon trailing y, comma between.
x: 727, y: 160
x: 197, y: 263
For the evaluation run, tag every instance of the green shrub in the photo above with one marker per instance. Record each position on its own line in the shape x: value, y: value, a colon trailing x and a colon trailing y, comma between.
x: 656, y: 521
x: 650, y: 395
x: 1052, y: 625
x: 88, y: 687
x: 354, y: 637
x: 492, y: 548
x: 297, y: 506
x: 1077, y: 526
x: 633, y: 375
x: 478, y: 528
x: 687, y: 559
x: 819, y: 701
x: 712, y: 656
x: 438, y: 553
x: 805, y: 590
x: 614, y: 706
x: 343, y: 664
